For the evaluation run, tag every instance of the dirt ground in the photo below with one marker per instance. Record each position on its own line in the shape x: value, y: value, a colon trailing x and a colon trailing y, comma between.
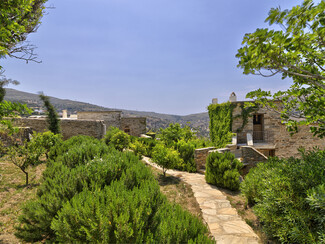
x: 177, y: 191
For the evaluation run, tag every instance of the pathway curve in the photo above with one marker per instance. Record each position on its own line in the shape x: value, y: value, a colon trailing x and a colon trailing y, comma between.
x: 224, y: 223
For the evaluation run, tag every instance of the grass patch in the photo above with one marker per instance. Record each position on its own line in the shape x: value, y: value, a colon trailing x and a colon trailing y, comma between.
x: 13, y: 194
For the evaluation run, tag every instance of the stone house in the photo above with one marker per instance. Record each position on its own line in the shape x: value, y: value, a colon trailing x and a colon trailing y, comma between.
x: 263, y: 135
x: 92, y: 123
x: 265, y: 132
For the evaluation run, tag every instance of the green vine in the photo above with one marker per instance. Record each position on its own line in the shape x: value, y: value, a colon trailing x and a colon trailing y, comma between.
x: 221, y: 123
x: 246, y: 112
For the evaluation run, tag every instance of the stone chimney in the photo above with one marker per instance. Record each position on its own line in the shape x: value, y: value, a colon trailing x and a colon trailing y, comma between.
x: 233, y: 97
x: 214, y: 100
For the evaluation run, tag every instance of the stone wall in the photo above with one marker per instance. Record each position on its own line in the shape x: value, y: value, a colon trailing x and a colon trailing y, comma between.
x: 134, y: 126
x: 200, y: 156
x: 251, y: 155
x: 287, y: 145
x: 270, y: 125
x: 275, y: 133
x: 111, y: 118
x: 69, y: 127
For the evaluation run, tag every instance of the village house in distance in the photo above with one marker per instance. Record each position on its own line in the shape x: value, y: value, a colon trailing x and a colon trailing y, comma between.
x: 266, y: 133
x: 90, y: 123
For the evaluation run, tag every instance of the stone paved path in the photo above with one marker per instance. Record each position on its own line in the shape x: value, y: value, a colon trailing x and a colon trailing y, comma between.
x: 224, y: 223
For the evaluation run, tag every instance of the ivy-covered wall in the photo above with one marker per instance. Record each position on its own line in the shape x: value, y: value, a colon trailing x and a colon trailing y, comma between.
x: 221, y: 123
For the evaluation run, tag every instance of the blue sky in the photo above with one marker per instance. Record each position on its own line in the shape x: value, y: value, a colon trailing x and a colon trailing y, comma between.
x: 167, y: 56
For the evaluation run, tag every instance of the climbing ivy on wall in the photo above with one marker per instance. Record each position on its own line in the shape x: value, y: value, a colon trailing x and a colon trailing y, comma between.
x: 246, y: 111
x: 221, y: 123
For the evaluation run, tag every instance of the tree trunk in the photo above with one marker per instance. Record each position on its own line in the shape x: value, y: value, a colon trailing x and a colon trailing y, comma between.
x: 26, y: 174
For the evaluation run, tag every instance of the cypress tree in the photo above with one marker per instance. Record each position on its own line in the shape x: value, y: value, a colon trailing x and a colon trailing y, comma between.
x: 52, y: 116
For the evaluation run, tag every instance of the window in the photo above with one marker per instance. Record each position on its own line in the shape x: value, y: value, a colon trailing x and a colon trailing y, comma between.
x: 127, y: 129
x: 257, y: 119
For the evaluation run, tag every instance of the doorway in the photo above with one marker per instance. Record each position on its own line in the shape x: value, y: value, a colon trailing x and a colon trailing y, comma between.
x: 258, y: 127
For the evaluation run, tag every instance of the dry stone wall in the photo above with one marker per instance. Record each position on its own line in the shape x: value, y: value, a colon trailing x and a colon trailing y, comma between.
x: 287, y: 145
x: 111, y: 118
x: 69, y: 127
x: 136, y: 126
x: 200, y: 157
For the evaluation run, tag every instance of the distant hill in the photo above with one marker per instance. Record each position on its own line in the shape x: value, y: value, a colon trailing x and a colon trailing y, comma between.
x: 155, y: 121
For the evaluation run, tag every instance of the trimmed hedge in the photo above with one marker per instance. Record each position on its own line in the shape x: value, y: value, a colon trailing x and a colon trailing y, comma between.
x: 222, y: 169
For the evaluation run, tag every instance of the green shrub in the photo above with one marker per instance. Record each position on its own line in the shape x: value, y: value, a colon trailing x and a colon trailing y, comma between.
x: 111, y: 198
x: 149, y: 145
x: 202, y: 143
x: 117, y: 138
x: 52, y: 116
x: 288, y: 196
x: 120, y: 140
x: 186, y: 151
x: 139, y: 148
x: 64, y: 146
x: 179, y: 226
x: 222, y: 169
x: 174, y: 132
x: 128, y: 215
x: 45, y: 140
x: 110, y: 132
x: 61, y: 183
x: 165, y: 157
x: 83, y: 153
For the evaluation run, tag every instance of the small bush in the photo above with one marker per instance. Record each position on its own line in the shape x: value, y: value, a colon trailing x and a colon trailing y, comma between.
x: 120, y: 141
x: 165, y: 157
x: 110, y: 132
x: 64, y: 146
x: 174, y: 132
x: 117, y: 138
x: 45, y: 140
x: 289, y: 197
x: 139, y: 148
x: 186, y: 151
x: 222, y: 169
x: 149, y: 145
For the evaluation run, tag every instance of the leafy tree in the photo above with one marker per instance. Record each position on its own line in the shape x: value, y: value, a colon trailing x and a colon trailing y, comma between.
x: 297, y: 51
x: 174, y: 132
x: 26, y: 155
x: 165, y: 157
x: 52, y: 116
x: 18, y: 19
x: 45, y: 140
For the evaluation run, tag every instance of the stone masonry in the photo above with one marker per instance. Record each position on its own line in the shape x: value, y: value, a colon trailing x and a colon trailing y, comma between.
x: 110, y: 118
x: 200, y: 156
x: 275, y: 135
x: 69, y: 128
x: 135, y: 126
